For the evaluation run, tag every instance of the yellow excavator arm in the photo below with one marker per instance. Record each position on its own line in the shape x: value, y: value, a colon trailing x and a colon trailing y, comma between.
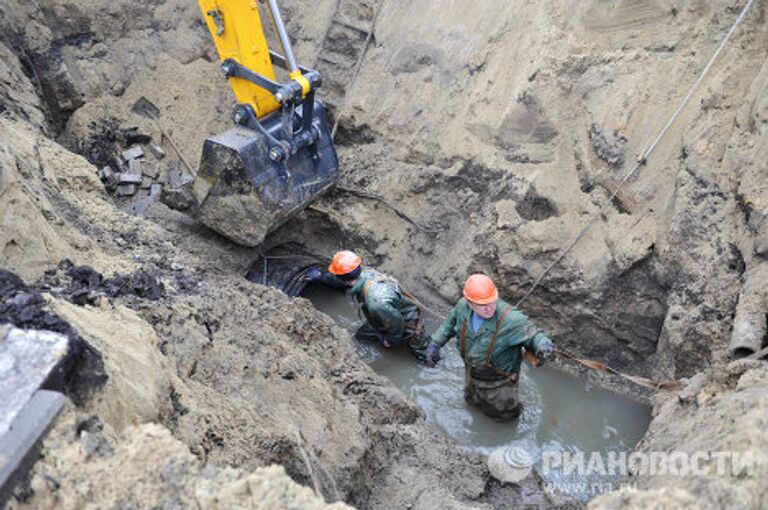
x: 238, y: 33
x: 279, y: 155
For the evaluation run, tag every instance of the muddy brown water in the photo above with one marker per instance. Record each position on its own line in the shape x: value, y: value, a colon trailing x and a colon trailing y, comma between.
x: 563, y: 415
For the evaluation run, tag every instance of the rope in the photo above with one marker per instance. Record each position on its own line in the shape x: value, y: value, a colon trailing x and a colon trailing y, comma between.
x: 602, y: 367
x: 641, y: 161
x: 356, y: 69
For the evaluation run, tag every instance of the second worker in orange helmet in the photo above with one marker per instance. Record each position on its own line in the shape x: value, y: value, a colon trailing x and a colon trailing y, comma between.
x: 490, y: 335
x: 393, y: 318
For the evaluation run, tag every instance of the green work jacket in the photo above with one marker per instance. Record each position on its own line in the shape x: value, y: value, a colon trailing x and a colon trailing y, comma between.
x: 516, y: 332
x: 384, y: 305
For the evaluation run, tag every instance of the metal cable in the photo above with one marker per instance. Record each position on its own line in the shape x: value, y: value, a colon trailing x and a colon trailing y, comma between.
x: 644, y: 157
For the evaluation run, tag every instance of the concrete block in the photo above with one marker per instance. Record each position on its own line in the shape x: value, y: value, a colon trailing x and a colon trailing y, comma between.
x: 135, y: 166
x: 156, y: 151
x: 109, y: 177
x: 155, y: 190
x: 134, y: 152
x: 174, y: 178
x: 139, y: 208
x: 130, y: 178
x: 150, y: 170
x: 146, y: 182
x: 125, y: 190
x: 105, y: 173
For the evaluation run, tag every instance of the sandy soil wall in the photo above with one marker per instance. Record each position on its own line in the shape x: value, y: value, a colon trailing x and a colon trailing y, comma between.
x: 499, y: 127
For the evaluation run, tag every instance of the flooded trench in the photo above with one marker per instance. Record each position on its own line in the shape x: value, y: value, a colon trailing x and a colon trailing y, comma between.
x: 562, y: 414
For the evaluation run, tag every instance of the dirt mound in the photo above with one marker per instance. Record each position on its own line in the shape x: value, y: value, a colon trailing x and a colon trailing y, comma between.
x: 717, y: 422
x: 145, y: 467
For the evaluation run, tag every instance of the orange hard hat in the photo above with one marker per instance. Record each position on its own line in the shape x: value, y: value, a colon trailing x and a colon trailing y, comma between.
x: 344, y: 262
x: 480, y: 289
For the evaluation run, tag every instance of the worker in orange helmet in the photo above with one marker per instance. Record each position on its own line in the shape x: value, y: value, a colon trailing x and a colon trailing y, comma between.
x: 490, y: 335
x: 393, y: 317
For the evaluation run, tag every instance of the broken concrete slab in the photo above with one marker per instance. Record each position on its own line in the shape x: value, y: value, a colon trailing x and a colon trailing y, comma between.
x: 133, y: 153
x: 146, y: 182
x: 27, y: 358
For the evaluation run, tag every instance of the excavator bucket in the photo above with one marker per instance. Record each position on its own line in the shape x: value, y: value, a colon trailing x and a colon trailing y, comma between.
x: 244, y: 194
x: 279, y: 156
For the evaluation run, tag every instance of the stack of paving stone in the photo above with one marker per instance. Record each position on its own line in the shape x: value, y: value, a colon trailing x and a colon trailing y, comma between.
x: 134, y: 175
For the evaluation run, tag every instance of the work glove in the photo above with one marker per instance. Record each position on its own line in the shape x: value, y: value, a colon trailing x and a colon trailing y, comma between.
x: 313, y: 274
x: 546, y: 352
x: 433, y: 354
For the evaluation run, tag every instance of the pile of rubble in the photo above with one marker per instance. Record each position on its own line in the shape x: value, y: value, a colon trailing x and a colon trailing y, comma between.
x: 133, y: 174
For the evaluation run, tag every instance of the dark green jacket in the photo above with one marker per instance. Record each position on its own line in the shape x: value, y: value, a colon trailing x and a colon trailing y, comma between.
x: 516, y: 332
x: 383, y: 304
